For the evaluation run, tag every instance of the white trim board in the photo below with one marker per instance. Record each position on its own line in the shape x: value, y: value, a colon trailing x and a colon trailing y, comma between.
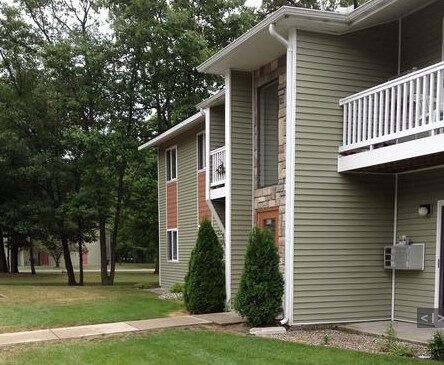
x: 290, y: 163
x: 402, y: 151
x: 159, y: 254
x: 175, y: 131
x: 439, y: 232
x: 228, y: 188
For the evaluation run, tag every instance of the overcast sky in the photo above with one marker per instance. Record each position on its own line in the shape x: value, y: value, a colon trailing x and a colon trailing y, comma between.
x: 255, y: 3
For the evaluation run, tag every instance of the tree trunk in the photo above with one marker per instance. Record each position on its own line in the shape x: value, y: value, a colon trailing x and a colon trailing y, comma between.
x: 3, y: 261
x: 68, y: 262
x: 31, y: 255
x: 355, y: 3
x: 56, y: 257
x: 80, y: 236
x: 117, y: 214
x: 14, y: 245
x: 103, y: 252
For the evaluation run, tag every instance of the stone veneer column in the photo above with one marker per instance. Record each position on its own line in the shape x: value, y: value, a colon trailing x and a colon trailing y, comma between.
x: 272, y: 196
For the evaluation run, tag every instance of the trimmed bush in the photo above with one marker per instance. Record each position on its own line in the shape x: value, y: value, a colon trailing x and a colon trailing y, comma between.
x: 436, y: 346
x: 259, y: 299
x: 204, y: 290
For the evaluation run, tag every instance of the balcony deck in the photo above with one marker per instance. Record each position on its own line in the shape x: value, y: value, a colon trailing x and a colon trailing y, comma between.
x: 397, y: 126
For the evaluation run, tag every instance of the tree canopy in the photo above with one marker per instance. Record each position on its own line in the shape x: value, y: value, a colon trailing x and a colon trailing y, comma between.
x: 82, y: 84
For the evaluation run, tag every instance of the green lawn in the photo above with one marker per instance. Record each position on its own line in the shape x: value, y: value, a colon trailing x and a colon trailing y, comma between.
x: 44, y: 300
x: 196, y: 347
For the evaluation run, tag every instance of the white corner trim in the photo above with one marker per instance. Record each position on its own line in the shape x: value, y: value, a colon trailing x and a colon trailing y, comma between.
x: 290, y: 169
x: 228, y: 187
x: 439, y: 232
x: 207, y: 113
x: 395, y: 232
x: 159, y: 253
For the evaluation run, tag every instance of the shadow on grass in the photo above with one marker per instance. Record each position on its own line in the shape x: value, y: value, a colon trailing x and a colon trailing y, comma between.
x: 148, y: 280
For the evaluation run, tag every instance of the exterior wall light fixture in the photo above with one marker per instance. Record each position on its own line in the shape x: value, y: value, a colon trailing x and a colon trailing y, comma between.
x: 424, y: 210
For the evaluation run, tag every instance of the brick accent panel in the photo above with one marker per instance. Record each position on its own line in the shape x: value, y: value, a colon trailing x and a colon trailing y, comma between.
x: 202, y: 207
x: 171, y: 197
x: 272, y: 196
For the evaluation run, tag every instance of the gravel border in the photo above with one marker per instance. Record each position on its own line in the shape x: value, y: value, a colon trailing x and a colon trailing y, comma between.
x: 341, y: 339
x: 164, y: 294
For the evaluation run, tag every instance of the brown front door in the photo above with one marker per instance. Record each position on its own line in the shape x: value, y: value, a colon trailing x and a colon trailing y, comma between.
x: 270, y: 219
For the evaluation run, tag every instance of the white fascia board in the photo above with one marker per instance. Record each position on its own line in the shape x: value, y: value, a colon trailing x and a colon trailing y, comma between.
x: 216, y: 99
x: 402, y: 151
x: 174, y: 131
x: 204, y: 67
x: 367, y: 15
x: 281, y: 13
x: 368, y: 9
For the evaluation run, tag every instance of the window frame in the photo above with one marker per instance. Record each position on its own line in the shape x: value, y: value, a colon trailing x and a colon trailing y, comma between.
x: 169, y: 169
x: 203, y: 165
x: 169, y: 250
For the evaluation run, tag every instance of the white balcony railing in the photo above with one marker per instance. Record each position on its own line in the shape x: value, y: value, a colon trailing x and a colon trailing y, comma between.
x: 404, y: 107
x: 218, y: 167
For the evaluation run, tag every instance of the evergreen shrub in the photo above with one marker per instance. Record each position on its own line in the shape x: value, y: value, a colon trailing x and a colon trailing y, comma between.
x: 204, y: 289
x: 259, y: 299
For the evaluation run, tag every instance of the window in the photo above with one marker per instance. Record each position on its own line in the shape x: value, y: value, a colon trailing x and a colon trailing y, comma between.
x: 172, y: 248
x: 268, y: 113
x: 171, y: 163
x: 201, y: 155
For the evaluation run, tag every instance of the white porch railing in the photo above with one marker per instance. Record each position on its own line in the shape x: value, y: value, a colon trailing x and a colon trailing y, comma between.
x: 218, y: 167
x: 407, y: 106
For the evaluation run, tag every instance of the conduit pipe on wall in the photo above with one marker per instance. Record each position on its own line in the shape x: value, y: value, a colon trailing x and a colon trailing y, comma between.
x: 290, y: 45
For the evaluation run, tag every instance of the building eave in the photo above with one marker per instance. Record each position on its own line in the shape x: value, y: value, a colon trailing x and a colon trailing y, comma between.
x: 216, y: 99
x: 183, y: 126
x: 257, y: 41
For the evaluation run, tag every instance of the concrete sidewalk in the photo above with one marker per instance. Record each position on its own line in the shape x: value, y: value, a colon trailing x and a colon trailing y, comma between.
x: 404, y: 331
x: 119, y: 327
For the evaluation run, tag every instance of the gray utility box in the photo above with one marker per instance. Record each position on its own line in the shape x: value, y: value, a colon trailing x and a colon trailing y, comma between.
x: 404, y: 257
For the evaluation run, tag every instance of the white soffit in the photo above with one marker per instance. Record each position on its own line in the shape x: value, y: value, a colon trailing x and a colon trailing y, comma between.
x: 178, y: 129
x: 256, y: 47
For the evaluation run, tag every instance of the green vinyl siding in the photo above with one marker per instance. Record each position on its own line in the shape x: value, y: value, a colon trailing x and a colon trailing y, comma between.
x: 422, y: 37
x: 342, y: 222
x: 416, y: 288
x: 217, y: 127
x: 174, y: 272
x: 241, y: 168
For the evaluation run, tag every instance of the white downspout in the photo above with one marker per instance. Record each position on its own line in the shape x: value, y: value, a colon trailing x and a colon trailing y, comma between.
x: 290, y: 44
x: 273, y: 33
x: 395, y: 229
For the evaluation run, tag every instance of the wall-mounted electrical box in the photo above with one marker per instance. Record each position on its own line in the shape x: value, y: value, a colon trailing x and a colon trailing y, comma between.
x: 404, y: 257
